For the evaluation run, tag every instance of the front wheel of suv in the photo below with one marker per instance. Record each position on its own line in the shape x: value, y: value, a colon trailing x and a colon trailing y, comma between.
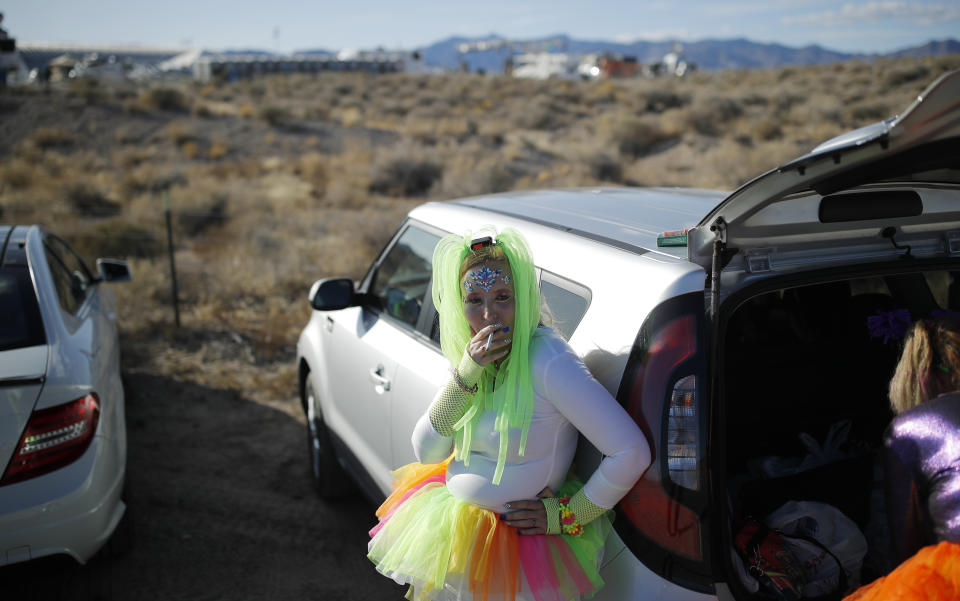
x: 329, y: 479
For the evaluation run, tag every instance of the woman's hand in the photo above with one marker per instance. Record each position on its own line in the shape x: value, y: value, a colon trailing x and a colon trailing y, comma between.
x: 530, y: 517
x: 499, y: 344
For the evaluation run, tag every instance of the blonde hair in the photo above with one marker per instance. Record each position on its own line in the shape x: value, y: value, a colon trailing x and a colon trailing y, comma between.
x: 929, y: 364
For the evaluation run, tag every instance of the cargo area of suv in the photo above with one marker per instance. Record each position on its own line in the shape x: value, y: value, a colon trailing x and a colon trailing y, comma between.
x: 805, y: 371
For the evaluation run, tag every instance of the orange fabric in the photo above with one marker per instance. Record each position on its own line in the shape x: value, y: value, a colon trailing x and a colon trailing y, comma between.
x: 408, y: 476
x: 495, y: 569
x: 933, y: 574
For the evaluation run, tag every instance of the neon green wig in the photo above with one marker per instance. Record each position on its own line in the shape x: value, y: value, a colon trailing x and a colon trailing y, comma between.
x: 509, y: 389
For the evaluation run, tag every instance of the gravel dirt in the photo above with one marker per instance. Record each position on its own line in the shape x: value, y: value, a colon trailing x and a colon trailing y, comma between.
x: 220, y: 507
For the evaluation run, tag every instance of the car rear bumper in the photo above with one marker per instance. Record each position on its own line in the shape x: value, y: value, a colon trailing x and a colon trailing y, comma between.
x: 71, y: 511
x: 626, y: 578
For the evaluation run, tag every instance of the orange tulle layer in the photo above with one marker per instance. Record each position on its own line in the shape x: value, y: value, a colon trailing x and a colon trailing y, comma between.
x: 444, y: 547
x: 933, y: 574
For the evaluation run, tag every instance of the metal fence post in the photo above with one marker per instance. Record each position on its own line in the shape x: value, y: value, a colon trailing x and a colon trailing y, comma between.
x: 173, y: 267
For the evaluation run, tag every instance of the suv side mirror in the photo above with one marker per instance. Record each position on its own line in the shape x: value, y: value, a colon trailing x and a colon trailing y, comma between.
x: 330, y: 294
x: 114, y: 271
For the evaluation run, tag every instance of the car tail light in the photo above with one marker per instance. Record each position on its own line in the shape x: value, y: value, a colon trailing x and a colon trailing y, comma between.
x: 53, y: 438
x: 665, y: 518
x: 648, y: 506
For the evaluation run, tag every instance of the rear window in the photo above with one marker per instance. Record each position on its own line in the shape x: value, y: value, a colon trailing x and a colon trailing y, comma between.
x: 20, y: 324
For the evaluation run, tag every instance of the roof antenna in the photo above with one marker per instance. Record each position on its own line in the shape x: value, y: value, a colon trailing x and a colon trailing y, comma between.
x: 890, y: 232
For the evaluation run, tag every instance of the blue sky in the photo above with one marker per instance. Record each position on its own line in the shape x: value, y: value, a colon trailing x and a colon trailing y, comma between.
x: 288, y: 25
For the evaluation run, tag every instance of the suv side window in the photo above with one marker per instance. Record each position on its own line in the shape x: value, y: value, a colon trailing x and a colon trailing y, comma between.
x: 565, y: 303
x: 70, y: 275
x: 403, y: 277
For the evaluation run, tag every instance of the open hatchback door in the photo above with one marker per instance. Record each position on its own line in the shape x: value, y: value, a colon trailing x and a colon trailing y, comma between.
x: 889, y: 189
x: 810, y: 266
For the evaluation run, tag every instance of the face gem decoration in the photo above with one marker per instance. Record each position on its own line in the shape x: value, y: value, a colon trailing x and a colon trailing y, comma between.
x: 483, y: 277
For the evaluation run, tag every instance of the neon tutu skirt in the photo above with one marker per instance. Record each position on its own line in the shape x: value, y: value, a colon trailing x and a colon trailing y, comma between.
x: 447, y: 549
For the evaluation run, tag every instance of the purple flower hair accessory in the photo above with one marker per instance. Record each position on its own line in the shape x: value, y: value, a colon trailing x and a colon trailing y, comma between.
x: 889, y: 324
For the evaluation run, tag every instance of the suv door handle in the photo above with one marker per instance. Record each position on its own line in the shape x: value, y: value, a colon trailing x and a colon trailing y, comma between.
x: 377, y: 377
x: 329, y: 323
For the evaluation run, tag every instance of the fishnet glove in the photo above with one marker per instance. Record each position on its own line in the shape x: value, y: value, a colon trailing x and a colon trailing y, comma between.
x: 584, y: 510
x: 452, y: 401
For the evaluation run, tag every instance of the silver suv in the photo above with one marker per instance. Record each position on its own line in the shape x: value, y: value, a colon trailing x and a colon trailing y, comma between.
x: 734, y: 328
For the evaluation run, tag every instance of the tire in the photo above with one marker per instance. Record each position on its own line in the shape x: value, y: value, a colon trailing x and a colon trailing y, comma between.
x: 329, y: 479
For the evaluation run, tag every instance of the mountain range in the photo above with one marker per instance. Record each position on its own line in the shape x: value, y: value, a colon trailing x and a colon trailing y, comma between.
x: 705, y: 54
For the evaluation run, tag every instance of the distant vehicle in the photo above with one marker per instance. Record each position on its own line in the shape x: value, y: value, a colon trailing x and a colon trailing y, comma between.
x: 735, y: 329
x: 607, y: 65
x: 63, y: 438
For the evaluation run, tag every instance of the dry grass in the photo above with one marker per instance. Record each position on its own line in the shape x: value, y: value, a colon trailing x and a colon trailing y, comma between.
x: 278, y: 181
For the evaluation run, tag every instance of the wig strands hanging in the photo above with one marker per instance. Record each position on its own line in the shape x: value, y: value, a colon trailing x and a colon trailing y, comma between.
x: 509, y: 389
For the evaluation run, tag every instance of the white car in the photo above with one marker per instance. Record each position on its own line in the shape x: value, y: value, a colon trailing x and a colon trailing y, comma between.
x: 63, y: 437
x: 748, y: 335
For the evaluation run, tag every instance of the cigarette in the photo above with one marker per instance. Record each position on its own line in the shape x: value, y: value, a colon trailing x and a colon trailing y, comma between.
x: 489, y: 341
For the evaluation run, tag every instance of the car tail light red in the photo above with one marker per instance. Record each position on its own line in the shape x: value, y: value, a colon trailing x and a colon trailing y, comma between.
x: 648, y: 506
x: 53, y: 438
x: 662, y: 517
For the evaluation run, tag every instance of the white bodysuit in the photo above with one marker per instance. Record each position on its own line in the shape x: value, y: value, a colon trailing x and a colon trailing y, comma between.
x: 567, y: 399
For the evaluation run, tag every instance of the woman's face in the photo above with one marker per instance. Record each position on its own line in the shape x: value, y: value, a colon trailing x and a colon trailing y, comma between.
x: 488, y: 295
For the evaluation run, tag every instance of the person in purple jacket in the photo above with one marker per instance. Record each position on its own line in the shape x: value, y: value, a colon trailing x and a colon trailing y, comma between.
x: 922, y: 443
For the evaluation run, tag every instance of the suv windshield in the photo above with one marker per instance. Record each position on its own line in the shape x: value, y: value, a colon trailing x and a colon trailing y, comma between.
x: 20, y: 324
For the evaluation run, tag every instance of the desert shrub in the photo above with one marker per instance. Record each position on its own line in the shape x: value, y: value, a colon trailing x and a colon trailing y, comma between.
x: 257, y: 91
x: 202, y: 110
x: 783, y: 102
x: 121, y: 238
x: 274, y: 115
x: 147, y: 179
x: 754, y: 99
x: 540, y: 114
x: 180, y: 132
x: 245, y: 111
x: 90, y: 202
x: 8, y: 105
x: 195, y: 222
x: 18, y: 173
x: 710, y: 116
x: 190, y: 149
x: 87, y: 88
x: 312, y: 168
x: 166, y: 99
x: 219, y: 149
x: 402, y: 176
x: 632, y: 136
x: 901, y: 75
x: 467, y: 177
x: 602, y: 92
x: 46, y: 138
x: 605, y: 168
x: 870, y: 112
x: 767, y: 129
x: 658, y: 101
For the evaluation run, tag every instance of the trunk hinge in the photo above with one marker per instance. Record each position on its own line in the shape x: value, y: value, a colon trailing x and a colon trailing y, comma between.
x: 719, y: 229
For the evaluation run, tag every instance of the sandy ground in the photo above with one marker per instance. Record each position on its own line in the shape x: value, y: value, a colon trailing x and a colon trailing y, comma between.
x: 220, y: 507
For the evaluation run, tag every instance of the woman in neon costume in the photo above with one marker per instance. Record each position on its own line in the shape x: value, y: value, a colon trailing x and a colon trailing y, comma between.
x: 501, y: 518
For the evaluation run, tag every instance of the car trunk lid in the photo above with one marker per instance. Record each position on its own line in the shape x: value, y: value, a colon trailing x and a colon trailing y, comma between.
x: 22, y: 373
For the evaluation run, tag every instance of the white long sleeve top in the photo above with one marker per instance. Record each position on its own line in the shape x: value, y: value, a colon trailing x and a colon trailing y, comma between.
x: 567, y: 400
